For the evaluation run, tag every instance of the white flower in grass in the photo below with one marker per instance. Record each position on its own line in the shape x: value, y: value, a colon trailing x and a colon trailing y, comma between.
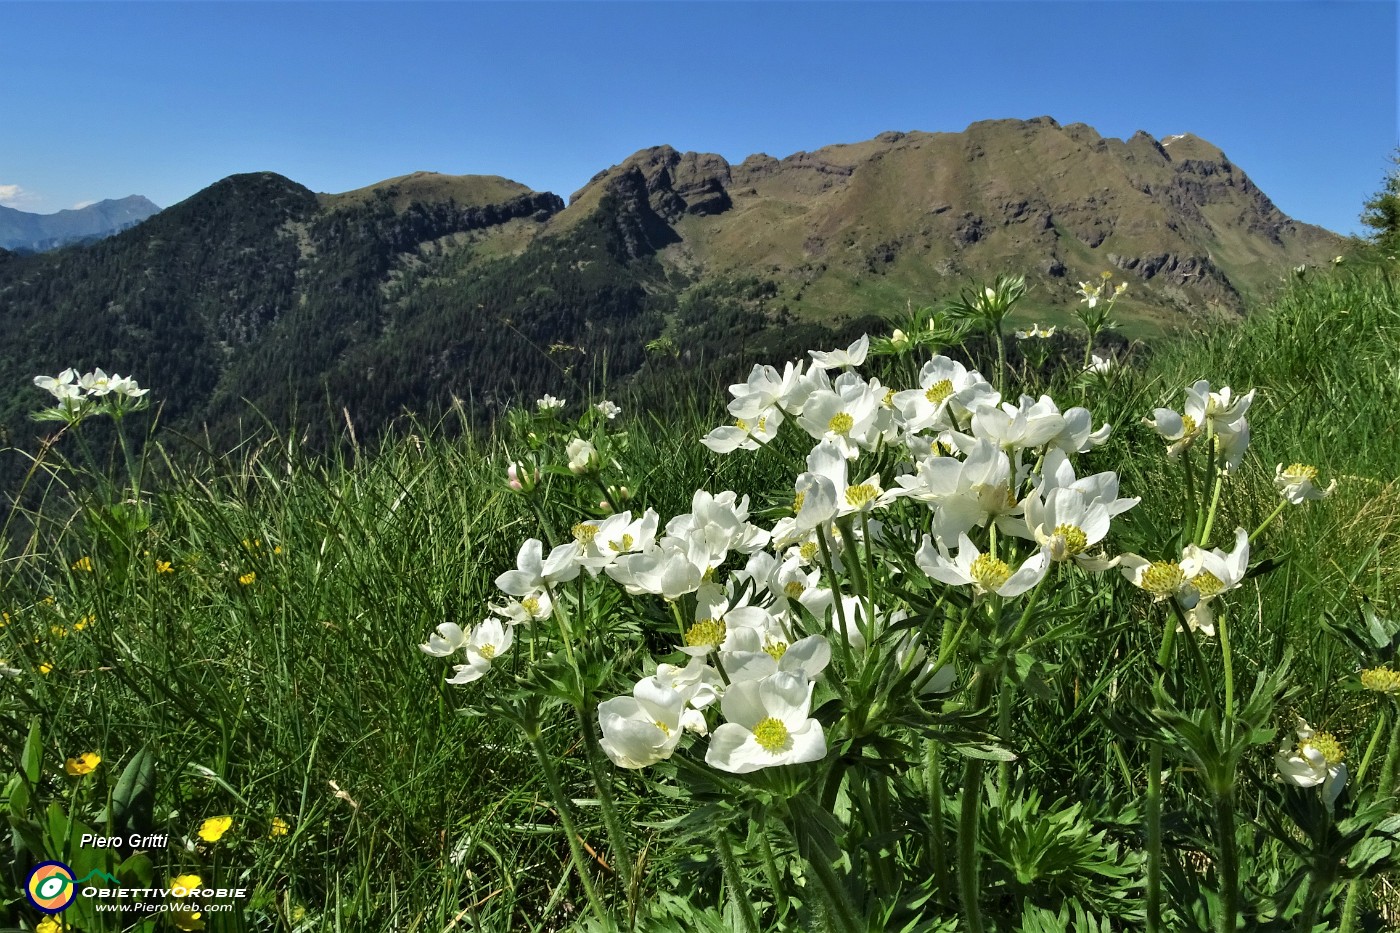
x: 609, y: 410
x: 827, y: 459
x: 1316, y: 759
x: 984, y: 572
x: 697, y: 682
x: 1221, y: 413
x: 767, y: 725
x: 1297, y: 484
x: 1078, y: 434
x: 1101, y: 365
x: 533, y: 572
x: 970, y: 492
x: 527, y: 609
x: 640, y: 730
x: 603, y: 541
x: 947, y: 390
x: 718, y: 618
x: 583, y: 457
x: 1212, y: 573
x: 744, y: 434
x: 854, y: 355
x: 669, y: 570
x: 488, y: 641
x: 1067, y: 524
x: 125, y: 386
x: 846, y: 416
x: 64, y: 387
x: 753, y: 655
x: 96, y: 383
x: 1162, y: 579
x: 449, y: 639
x: 1029, y: 424
x: 549, y: 404
x: 715, y: 525
x: 767, y: 392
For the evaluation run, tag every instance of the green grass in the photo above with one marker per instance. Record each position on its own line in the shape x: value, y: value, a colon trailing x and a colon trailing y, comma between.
x: 260, y: 636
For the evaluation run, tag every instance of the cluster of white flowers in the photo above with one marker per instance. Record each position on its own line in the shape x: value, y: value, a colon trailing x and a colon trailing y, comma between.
x: 760, y: 638
x: 94, y: 392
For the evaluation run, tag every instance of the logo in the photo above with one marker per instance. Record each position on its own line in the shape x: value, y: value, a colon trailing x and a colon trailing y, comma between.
x: 50, y: 887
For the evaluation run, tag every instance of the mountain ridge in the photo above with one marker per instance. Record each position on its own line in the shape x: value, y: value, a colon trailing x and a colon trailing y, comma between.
x: 26, y: 232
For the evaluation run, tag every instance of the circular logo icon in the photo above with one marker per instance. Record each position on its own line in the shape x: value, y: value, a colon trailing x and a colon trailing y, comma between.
x: 50, y: 887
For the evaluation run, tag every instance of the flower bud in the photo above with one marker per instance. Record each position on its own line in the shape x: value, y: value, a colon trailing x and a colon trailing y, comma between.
x: 583, y: 457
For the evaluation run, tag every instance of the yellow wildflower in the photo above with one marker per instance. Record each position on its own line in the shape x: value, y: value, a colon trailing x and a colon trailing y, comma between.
x: 48, y: 925
x: 83, y: 764
x: 280, y: 827
x: 84, y: 564
x: 164, y: 566
x: 44, y: 668
x: 248, y: 578
x: 186, y: 883
x: 214, y: 828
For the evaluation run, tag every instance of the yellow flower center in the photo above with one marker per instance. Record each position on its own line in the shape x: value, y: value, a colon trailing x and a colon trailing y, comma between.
x: 1381, y: 679
x: 584, y: 533
x: 776, y: 649
x: 1163, y: 578
x: 1207, y: 584
x: 808, y: 551
x: 989, y: 573
x: 771, y: 735
x: 741, y: 424
x: 858, y: 496
x: 762, y: 424
x: 1073, y: 536
x: 665, y: 729
x: 938, y: 393
x: 794, y: 589
x: 888, y: 400
x: 797, y: 501
x: 1324, y: 742
x: 487, y: 651
x: 707, y: 633
x: 623, y: 545
x: 840, y: 423
x: 1298, y: 472
x: 1188, y: 426
x: 531, y: 605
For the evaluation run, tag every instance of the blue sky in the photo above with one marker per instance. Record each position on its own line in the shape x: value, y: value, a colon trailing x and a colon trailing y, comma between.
x: 162, y: 99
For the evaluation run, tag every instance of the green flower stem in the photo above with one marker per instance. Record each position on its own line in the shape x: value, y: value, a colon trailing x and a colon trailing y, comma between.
x: 843, y: 642
x: 1351, y: 908
x: 869, y: 576
x: 561, y: 619
x: 1214, y: 501
x: 602, y: 780
x: 564, y: 807
x: 1227, y: 658
x: 1227, y: 864
x: 1283, y: 503
x: 735, y: 880
x: 937, y: 837
x: 1001, y: 356
x: 770, y: 868
x: 1004, y: 698
x: 971, y: 810
x: 835, y: 900
x: 1191, y: 503
x: 1154, y: 794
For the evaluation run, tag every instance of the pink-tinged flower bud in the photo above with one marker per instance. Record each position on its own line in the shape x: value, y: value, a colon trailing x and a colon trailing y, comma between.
x: 521, y: 480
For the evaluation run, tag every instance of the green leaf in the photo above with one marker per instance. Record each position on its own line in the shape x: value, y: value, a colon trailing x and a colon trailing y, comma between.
x: 31, y: 759
x: 135, y: 794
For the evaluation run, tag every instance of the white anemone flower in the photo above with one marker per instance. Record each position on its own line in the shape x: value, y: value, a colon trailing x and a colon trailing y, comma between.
x: 669, y: 570
x: 488, y: 641
x: 63, y: 388
x: 744, y: 434
x: 967, y: 493
x: 449, y: 639
x: 947, y: 390
x: 1162, y: 579
x: 767, y: 391
x: 828, y: 460
x: 1316, y: 759
x: 1078, y: 434
x: 1212, y: 573
x: 754, y: 655
x: 1067, y: 524
x: 549, y: 403
x: 583, y: 457
x: 854, y: 355
x: 603, y: 541
x: 640, y: 730
x: 984, y: 572
x: 96, y: 383
x: 534, y: 573
x: 1297, y: 484
x: 715, y: 525
x: 126, y: 386
x: 846, y: 416
x: 1029, y: 424
x: 609, y: 410
x: 697, y: 682
x: 767, y: 725
x: 526, y: 609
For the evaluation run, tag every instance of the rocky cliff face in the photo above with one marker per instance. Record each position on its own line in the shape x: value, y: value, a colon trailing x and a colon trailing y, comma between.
x: 1060, y: 203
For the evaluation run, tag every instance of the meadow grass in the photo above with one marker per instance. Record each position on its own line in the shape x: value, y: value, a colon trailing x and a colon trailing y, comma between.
x: 257, y: 630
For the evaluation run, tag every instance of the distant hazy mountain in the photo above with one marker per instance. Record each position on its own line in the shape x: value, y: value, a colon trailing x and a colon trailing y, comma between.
x: 24, y: 232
